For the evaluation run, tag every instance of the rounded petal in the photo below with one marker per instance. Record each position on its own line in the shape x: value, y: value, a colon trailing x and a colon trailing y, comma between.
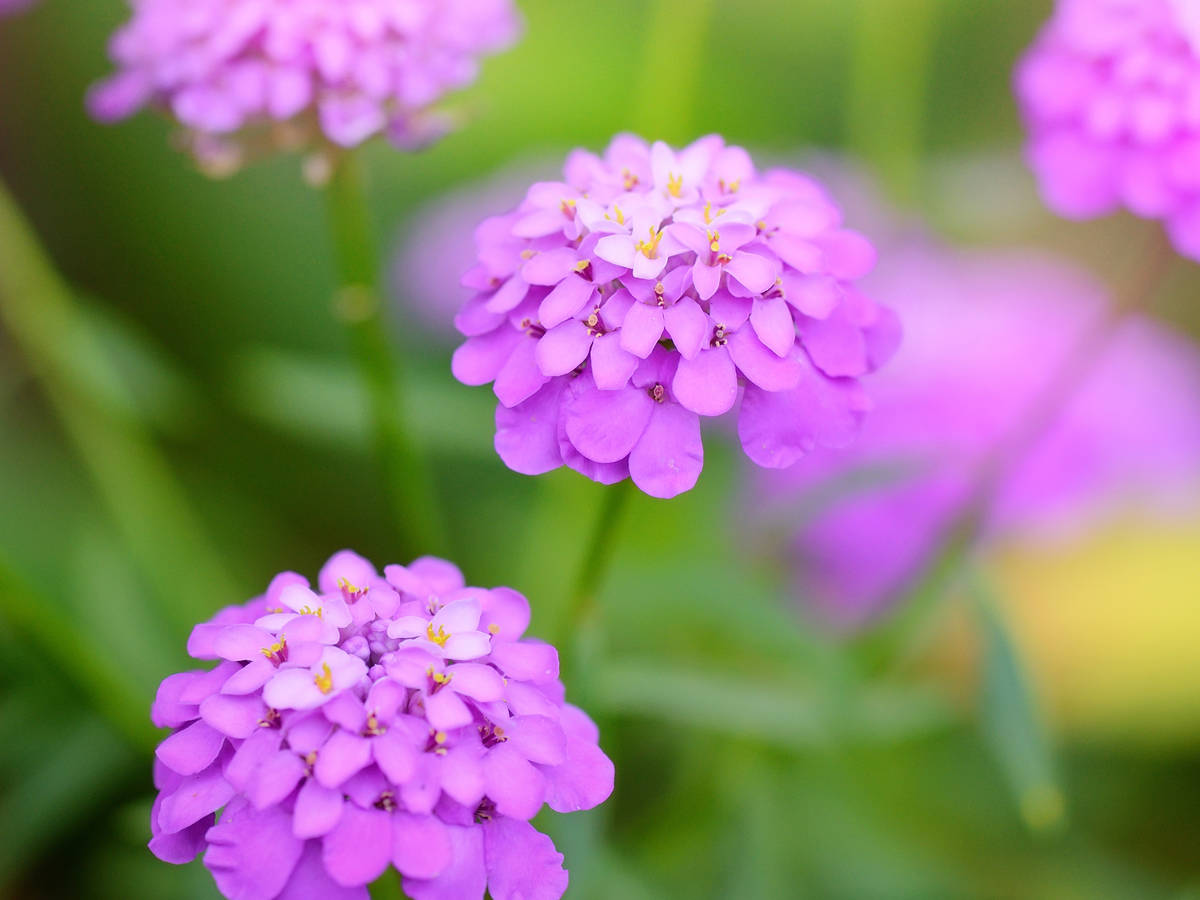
x: 252, y: 852
x: 668, y: 458
x: 465, y: 878
x: 563, y: 348
x: 359, y: 848
x: 605, y: 425
x: 481, y: 358
x: 612, y: 364
x: 310, y: 881
x: 519, y: 378
x: 522, y: 863
x: 477, y: 681
x: 760, y: 365
x: 706, y: 384
x: 516, y: 787
x: 527, y: 434
x: 318, y: 810
x: 568, y: 299
x: 777, y: 428
x: 772, y: 322
x: 192, y: 749
x: 583, y: 781
x: 642, y: 329
x: 420, y: 845
x: 527, y: 660
x: 688, y: 325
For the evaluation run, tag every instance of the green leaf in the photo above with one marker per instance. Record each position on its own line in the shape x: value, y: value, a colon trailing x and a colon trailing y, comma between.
x: 69, y: 780
x: 1012, y: 723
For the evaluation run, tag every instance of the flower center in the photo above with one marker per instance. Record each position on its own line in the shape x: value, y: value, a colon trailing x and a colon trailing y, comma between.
x: 675, y: 185
x: 649, y: 249
x: 324, y: 680
x: 277, y: 652
x: 439, y: 637
x: 350, y: 592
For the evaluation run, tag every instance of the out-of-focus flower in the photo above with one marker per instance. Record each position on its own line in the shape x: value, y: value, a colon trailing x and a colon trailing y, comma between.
x: 1111, y: 96
x: 243, y: 76
x: 9, y: 7
x: 398, y: 720
x: 653, y: 287
x: 437, y: 246
x: 984, y: 335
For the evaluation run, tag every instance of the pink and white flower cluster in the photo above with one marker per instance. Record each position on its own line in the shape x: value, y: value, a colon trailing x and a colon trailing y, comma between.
x: 1110, y: 93
x: 650, y: 288
x: 397, y: 720
x: 233, y: 71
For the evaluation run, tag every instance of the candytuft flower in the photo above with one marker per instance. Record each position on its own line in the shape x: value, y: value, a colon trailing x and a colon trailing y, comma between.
x: 985, y: 333
x: 1110, y: 93
x: 398, y: 720
x: 246, y: 76
x: 652, y: 287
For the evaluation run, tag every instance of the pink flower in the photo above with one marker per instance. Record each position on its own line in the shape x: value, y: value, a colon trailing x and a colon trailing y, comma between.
x: 650, y: 288
x: 343, y: 731
x: 242, y: 76
x: 1110, y: 93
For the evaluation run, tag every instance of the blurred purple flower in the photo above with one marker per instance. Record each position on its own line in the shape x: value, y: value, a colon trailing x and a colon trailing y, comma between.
x: 240, y: 73
x: 984, y: 335
x: 11, y: 7
x: 397, y: 720
x: 438, y: 246
x: 650, y: 288
x: 1110, y: 93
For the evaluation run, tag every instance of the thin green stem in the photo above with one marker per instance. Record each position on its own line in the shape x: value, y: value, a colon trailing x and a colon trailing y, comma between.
x: 147, y: 506
x: 597, y: 555
x: 407, y: 484
x: 906, y: 630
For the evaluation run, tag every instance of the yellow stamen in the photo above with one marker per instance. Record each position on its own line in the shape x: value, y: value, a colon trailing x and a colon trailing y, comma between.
x: 324, y: 681
x: 493, y: 628
x: 441, y: 678
x: 714, y: 241
x: 675, y: 185
x: 631, y: 180
x: 649, y: 249
x: 319, y: 612
x: 439, y: 737
x: 439, y: 638
x: 582, y: 265
x: 528, y: 254
x: 276, y: 648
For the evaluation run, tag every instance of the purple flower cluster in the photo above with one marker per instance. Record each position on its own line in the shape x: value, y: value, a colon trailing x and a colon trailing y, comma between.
x: 1110, y: 92
x: 289, y: 71
x: 650, y: 288
x: 399, y: 720
x: 985, y: 334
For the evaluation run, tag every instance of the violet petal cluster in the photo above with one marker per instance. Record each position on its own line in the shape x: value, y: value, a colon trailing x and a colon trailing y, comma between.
x: 1110, y: 93
x: 233, y: 72
x: 986, y: 334
x: 651, y: 288
x: 399, y: 720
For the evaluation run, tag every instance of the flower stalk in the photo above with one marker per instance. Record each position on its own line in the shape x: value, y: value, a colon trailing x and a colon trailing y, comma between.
x: 407, y: 484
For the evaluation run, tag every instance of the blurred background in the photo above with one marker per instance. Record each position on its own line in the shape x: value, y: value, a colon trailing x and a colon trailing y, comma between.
x: 182, y: 422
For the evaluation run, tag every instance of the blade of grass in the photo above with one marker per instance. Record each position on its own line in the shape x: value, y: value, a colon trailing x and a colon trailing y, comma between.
x: 147, y: 506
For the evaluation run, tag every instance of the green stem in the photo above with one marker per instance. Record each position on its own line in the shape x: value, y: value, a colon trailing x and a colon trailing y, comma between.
x: 889, y: 85
x: 913, y: 620
x: 147, y: 506
x: 406, y: 481
x: 597, y: 554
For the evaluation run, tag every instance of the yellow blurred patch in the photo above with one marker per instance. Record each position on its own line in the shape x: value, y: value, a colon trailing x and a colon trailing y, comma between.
x: 1110, y: 627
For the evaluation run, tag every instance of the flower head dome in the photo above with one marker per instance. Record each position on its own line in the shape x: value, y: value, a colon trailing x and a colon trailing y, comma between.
x: 398, y: 720
x: 652, y: 287
x: 240, y: 74
x: 1110, y: 93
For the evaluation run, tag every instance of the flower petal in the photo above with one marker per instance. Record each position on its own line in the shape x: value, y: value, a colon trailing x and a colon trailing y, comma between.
x: 668, y: 458
x: 605, y: 425
x: 563, y: 348
x: 522, y: 863
x: 359, y: 848
x: 707, y: 383
x: 420, y: 845
x: 465, y: 878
